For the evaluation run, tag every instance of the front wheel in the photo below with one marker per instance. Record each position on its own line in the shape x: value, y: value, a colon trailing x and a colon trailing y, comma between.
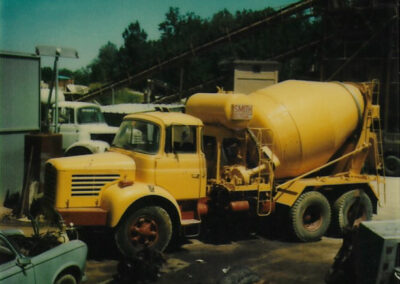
x: 147, y: 227
x: 310, y: 216
x: 350, y: 209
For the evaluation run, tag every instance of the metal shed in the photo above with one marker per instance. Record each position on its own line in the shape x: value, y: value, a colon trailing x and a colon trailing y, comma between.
x: 19, y: 115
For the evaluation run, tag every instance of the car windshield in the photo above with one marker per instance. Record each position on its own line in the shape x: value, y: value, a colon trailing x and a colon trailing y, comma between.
x: 138, y: 135
x: 90, y: 115
x: 6, y: 254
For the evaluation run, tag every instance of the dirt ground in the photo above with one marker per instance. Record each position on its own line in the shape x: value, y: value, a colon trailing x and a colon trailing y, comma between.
x: 270, y: 257
x: 198, y: 262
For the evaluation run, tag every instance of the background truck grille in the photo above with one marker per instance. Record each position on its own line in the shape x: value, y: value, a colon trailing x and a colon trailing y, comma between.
x: 103, y: 137
x: 90, y: 185
x: 50, y: 182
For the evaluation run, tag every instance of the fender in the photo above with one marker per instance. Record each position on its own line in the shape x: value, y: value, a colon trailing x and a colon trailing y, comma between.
x: 288, y: 194
x: 116, y: 200
x: 94, y: 146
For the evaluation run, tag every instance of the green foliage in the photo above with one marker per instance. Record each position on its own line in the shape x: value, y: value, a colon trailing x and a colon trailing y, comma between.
x: 182, y: 32
x: 46, y: 74
x: 65, y: 72
x: 136, y: 49
x: 105, y: 67
x: 82, y: 76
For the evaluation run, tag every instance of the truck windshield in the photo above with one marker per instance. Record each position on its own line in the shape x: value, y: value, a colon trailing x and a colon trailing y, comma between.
x: 138, y: 135
x: 90, y: 115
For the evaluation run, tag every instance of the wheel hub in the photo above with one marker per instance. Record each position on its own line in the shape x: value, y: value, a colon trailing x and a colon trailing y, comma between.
x: 312, y: 218
x: 357, y: 213
x: 144, y: 231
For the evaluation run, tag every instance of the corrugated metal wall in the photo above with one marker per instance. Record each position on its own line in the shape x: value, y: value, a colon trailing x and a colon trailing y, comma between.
x: 19, y: 115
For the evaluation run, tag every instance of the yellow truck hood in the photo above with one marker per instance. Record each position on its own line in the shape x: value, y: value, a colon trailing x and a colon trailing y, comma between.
x: 96, y: 162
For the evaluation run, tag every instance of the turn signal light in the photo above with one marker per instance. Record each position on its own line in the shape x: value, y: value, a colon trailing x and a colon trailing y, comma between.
x: 125, y: 183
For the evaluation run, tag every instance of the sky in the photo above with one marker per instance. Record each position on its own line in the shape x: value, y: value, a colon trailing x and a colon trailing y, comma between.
x: 87, y: 25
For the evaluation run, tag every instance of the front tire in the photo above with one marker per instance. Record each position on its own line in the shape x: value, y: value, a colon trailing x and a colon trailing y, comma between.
x: 310, y: 216
x: 346, y: 208
x: 147, y: 227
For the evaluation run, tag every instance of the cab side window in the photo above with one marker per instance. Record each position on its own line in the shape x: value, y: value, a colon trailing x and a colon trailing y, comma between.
x: 210, y: 147
x: 184, y: 138
x: 210, y: 151
x: 66, y: 115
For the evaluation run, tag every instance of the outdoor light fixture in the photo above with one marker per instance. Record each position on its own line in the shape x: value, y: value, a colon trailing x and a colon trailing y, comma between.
x: 56, y: 52
x: 65, y: 52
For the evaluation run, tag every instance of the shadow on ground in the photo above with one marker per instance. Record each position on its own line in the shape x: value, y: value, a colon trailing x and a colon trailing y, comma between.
x: 100, y: 242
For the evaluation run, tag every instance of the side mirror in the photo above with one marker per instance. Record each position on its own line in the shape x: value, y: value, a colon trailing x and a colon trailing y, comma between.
x: 23, y: 261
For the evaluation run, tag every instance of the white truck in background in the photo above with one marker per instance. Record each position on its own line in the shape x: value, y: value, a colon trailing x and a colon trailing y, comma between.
x: 83, y: 128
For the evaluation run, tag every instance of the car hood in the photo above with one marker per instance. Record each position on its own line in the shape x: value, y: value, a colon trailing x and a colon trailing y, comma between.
x: 98, y: 128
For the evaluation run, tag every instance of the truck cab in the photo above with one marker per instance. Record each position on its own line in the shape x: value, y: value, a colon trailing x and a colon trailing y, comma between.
x: 146, y: 186
x: 167, y: 150
x: 83, y: 128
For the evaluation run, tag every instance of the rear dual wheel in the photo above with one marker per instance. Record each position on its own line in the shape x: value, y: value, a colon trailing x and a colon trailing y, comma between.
x: 310, y: 216
x: 350, y: 209
x: 392, y: 165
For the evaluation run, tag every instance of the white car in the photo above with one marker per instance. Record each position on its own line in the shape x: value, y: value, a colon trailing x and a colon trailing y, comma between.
x: 62, y: 264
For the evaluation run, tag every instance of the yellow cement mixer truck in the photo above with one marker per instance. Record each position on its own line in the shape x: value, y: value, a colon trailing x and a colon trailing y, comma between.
x: 297, y: 145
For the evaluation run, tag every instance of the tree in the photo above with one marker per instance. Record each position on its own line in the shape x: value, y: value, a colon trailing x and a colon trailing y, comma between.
x: 136, y: 50
x: 65, y: 72
x: 170, y: 27
x: 46, y: 74
x: 183, y: 32
x: 82, y: 76
x: 105, y: 67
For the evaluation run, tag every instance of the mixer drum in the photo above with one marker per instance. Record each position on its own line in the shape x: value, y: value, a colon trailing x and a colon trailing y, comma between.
x: 308, y: 121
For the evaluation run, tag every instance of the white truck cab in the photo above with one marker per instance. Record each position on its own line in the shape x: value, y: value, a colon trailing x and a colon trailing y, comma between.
x: 83, y: 128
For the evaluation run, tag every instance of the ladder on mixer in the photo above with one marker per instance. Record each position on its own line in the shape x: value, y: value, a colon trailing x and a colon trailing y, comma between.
x: 263, y: 195
x: 376, y: 128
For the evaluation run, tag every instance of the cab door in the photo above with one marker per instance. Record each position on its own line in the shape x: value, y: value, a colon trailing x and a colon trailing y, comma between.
x: 180, y: 169
x: 68, y: 126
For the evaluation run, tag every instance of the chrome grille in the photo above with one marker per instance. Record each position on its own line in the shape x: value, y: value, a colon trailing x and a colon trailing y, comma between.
x: 90, y: 185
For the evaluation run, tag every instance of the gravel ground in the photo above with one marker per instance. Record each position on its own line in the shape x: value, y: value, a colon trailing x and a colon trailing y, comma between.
x: 272, y: 258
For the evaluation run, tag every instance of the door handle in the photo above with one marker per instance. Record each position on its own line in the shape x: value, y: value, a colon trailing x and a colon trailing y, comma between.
x: 195, y: 175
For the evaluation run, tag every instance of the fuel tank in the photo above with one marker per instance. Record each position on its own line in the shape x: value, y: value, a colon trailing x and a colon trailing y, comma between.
x: 307, y: 122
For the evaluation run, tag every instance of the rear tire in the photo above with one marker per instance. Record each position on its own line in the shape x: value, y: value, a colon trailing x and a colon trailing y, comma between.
x: 344, y: 207
x: 147, y: 227
x: 310, y: 216
x: 66, y: 279
x: 392, y: 165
